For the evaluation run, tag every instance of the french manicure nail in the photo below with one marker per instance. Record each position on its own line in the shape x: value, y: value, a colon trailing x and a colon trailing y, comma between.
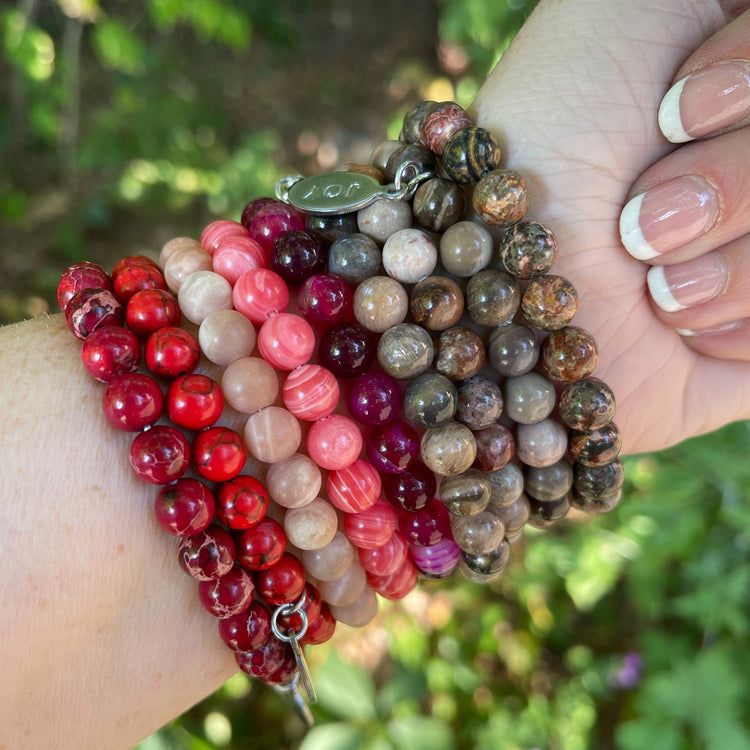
x: 717, y: 330
x: 684, y: 285
x: 668, y: 216
x: 706, y: 101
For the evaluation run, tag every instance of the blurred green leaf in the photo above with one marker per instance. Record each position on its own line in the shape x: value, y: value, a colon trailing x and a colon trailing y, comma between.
x: 345, y: 690
x: 416, y: 732
x: 118, y: 48
x: 334, y: 736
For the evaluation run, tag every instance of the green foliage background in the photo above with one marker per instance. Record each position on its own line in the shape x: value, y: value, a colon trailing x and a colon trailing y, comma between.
x: 125, y: 124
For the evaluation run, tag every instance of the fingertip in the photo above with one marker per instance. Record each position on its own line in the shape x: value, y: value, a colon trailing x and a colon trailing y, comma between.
x: 660, y: 290
x: 631, y: 233
x: 670, y: 117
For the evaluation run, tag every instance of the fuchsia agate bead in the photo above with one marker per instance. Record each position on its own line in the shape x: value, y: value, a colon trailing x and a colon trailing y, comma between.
x: 354, y: 487
x: 271, y: 222
x: 374, y: 399
x: 325, y: 298
x: 286, y: 341
x: 436, y: 560
x: 260, y: 294
x: 393, y: 447
x: 310, y: 392
x: 160, y: 455
x: 426, y: 526
x: 334, y: 442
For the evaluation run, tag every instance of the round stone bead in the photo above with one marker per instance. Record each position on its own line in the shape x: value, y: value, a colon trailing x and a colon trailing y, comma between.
x: 512, y: 349
x: 325, y: 298
x: 183, y: 263
x: 354, y: 258
x: 355, y: 487
x: 425, y: 526
x: 312, y: 526
x: 229, y: 595
x: 286, y: 341
x: 283, y: 582
x: 159, y: 455
x: 419, y: 158
x: 384, y: 217
x: 151, y: 309
x: 514, y: 517
x: 528, y: 250
x: 492, y: 297
x: 438, y: 204
x: 329, y: 227
x: 506, y: 484
x: 297, y: 256
x: 80, y: 276
x: 360, y: 612
x: 272, y: 434
x: 596, y: 447
x: 310, y: 392
x: 411, y: 489
x: 132, y: 401
x: 387, y: 558
x: 392, y: 447
x: 449, y: 449
x: 548, y: 483
x: 487, y: 567
x: 441, y: 123
x: 136, y: 277
x: 217, y: 231
x: 480, y: 402
x: 170, y: 247
x: 237, y: 255
x: 587, y: 405
x: 569, y: 355
x: 398, y: 584
x: 185, y: 508
x: 334, y: 442
x: 478, y: 534
x: 495, y: 447
x: 374, y: 399
x: 372, y: 527
x: 90, y: 309
x: 225, y: 336
x: 345, y: 590
x: 194, y: 401
x: 294, y: 482
x: 248, y: 630
x: 321, y: 629
x: 436, y: 303
x: 171, y: 351
x: 459, y: 353
x: 260, y: 294
x: 263, y: 661
x: 465, y: 248
x: 549, y: 302
x: 469, y: 154
x: 529, y: 398
x: 110, y: 351
x: 203, y: 292
x: 272, y: 221
x: 262, y: 545
x: 207, y: 555
x: 347, y: 350
x: 409, y: 255
x: 218, y: 453
x: 384, y: 150
x: 331, y: 561
x: 598, y: 482
x: 436, y: 560
x: 413, y: 119
x: 596, y: 505
x: 250, y: 384
x: 405, y: 351
x: 251, y: 209
x: 242, y: 502
x: 379, y: 303
x: 430, y: 400
x: 546, y: 513
x: 542, y: 443
x: 466, y: 494
x: 501, y: 198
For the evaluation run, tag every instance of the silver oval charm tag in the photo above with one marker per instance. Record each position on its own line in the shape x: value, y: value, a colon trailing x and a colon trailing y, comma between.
x: 335, y: 192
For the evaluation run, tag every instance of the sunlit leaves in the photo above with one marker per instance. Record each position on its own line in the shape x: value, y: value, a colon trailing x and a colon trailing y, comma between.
x: 29, y: 48
x: 119, y: 48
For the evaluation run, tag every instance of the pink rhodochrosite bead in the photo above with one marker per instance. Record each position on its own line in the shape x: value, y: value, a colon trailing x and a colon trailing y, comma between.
x: 202, y: 293
x: 183, y: 263
x: 171, y: 352
x: 311, y: 526
x: 110, y: 351
x: 78, y: 277
x: 225, y: 336
x: 160, y: 455
x: 250, y: 384
x: 248, y: 630
x: 334, y: 442
x: 372, y: 527
x: 184, y: 507
x: 237, y: 255
x: 151, y: 309
x: 228, y: 595
x: 344, y: 590
x: 330, y: 562
x: 207, y: 555
x: 286, y: 341
x: 360, y: 612
x: 219, y: 454
x: 396, y: 585
x: 132, y: 401
x: 311, y: 392
x: 272, y: 434
x: 294, y: 482
x: 217, y: 231
x: 241, y: 502
x: 260, y: 294
x: 283, y: 582
x: 194, y: 401
x: 272, y: 221
x: 355, y: 487
x: 90, y: 309
x: 387, y: 558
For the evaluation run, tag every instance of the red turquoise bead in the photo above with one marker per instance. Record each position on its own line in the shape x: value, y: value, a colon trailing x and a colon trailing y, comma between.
x: 260, y: 294
x: 130, y: 261
x: 194, y: 401
x: 78, y: 277
x: 160, y: 455
x: 311, y: 392
x: 321, y: 629
x: 110, y: 351
x: 135, y: 278
x: 372, y: 527
x: 283, y: 582
x: 286, y: 341
x: 207, y: 555
x: 185, y: 507
x: 228, y: 595
x: 284, y: 673
x: 219, y: 454
x: 151, y: 309
x: 312, y: 608
x: 90, y: 309
x: 248, y: 630
x: 355, y: 487
x: 241, y: 502
x: 264, y: 660
x: 262, y: 545
x: 334, y: 442
x: 132, y: 402
x: 171, y: 352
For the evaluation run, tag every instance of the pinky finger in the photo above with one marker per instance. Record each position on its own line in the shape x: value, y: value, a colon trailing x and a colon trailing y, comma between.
x: 729, y: 340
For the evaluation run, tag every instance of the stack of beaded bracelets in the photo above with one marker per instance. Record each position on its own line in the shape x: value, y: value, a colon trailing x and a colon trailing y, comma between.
x: 449, y: 378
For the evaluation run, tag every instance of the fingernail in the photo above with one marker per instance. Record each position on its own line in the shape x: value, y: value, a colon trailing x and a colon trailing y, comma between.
x: 706, y: 101
x: 668, y: 216
x: 684, y: 285
x: 730, y: 327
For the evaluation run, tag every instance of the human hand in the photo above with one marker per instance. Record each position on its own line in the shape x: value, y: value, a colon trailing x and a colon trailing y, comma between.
x: 574, y: 102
